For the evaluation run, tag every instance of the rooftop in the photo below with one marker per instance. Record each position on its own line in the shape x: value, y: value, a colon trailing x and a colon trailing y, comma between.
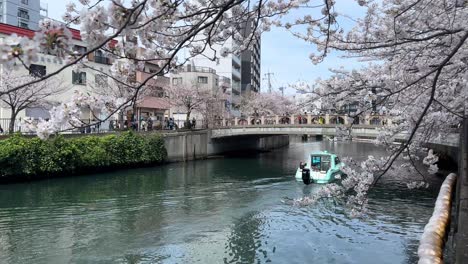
x: 191, y: 68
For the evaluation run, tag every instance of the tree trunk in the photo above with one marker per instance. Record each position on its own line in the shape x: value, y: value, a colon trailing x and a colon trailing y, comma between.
x: 11, y: 129
x: 187, y: 120
x: 121, y: 120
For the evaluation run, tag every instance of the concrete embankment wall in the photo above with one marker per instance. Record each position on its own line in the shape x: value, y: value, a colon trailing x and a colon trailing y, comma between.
x: 186, y: 145
x: 193, y: 145
x: 461, y: 207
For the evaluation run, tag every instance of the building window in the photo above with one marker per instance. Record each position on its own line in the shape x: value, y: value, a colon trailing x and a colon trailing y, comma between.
x: 37, y: 70
x: 202, y: 79
x: 79, y: 49
x: 79, y: 78
x: 23, y: 25
x: 216, y: 82
x: 176, y: 81
x: 24, y: 2
x: 99, y: 57
x: 100, y: 80
x: 23, y: 14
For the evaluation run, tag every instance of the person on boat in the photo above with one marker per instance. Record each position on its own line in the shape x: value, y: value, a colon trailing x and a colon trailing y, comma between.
x: 302, y: 165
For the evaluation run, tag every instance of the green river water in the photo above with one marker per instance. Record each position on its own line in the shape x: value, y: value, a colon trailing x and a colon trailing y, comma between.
x: 226, y: 210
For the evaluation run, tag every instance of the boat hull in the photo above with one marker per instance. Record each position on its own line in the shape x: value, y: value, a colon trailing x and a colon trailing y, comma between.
x: 318, y: 177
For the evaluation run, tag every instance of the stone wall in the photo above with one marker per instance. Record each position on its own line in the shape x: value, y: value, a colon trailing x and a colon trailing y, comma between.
x: 183, y: 146
x: 186, y: 145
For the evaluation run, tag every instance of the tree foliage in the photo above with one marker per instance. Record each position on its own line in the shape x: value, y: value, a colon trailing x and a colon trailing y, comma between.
x: 25, y: 158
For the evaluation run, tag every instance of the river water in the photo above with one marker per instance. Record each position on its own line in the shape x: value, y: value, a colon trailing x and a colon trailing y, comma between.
x: 227, y: 210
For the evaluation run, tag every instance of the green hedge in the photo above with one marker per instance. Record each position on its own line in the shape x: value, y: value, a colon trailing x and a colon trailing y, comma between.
x: 26, y: 158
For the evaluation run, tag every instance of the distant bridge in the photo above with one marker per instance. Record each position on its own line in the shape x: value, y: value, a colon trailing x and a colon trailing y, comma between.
x: 319, y: 125
x: 364, y: 131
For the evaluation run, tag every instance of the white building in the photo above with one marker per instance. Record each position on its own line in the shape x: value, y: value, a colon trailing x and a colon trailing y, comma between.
x: 201, y: 77
x: 91, y: 80
x: 229, y: 67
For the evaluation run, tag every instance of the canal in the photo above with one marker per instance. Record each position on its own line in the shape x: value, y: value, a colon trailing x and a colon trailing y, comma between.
x: 226, y: 210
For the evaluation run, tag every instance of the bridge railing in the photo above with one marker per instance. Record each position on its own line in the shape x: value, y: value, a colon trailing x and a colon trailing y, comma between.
x: 302, y: 119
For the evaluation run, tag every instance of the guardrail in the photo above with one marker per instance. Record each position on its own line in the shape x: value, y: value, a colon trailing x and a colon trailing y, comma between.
x: 431, y: 245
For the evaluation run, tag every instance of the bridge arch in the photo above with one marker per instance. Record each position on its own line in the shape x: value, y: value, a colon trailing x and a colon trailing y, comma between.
x: 375, y: 120
x: 242, y: 122
x: 285, y: 120
x: 255, y: 121
x: 337, y: 120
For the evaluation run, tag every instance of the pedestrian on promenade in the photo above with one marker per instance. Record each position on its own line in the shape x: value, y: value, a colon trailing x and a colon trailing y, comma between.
x: 171, y: 123
x: 144, y: 125
x: 166, y: 123
x: 193, y: 123
x: 149, y: 120
x: 1, y: 129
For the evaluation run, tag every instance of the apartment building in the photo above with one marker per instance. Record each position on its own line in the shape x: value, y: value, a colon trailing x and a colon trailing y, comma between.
x: 21, y: 13
x: 202, y: 77
x: 89, y: 80
x: 250, y: 63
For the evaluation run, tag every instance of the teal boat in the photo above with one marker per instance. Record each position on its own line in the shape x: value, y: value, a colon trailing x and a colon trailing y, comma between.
x: 322, y: 167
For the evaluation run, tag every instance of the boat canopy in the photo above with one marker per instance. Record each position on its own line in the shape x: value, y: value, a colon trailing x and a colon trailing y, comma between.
x: 321, y: 161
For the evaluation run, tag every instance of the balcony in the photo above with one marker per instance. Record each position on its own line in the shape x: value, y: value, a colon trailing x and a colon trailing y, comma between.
x: 102, y: 60
x: 190, y: 68
x: 236, y: 60
x: 236, y: 74
x: 236, y: 88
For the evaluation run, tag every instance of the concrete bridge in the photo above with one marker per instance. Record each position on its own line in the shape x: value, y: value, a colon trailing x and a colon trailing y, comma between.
x: 364, y: 131
x: 356, y: 131
x: 309, y: 119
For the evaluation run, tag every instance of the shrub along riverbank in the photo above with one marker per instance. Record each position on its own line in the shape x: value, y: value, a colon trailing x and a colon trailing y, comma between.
x: 23, y: 159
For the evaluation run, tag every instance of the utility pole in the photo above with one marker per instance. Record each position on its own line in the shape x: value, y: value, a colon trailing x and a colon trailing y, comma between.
x: 282, y: 90
x: 268, y: 77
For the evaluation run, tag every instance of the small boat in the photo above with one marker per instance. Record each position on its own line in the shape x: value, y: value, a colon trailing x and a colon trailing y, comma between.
x: 323, y: 167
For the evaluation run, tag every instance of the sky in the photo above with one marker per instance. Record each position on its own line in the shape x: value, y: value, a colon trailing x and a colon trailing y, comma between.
x: 282, y: 54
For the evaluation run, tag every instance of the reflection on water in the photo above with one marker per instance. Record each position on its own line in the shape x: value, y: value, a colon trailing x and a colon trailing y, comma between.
x: 214, y: 211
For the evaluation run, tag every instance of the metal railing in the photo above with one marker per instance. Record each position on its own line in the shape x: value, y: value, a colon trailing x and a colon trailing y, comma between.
x: 94, y: 126
x: 191, y: 68
x: 101, y: 59
x: 88, y: 126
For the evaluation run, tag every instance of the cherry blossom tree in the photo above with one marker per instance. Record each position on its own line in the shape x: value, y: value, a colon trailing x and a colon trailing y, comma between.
x: 191, y: 98
x: 419, y: 78
x: 214, y: 108
x: 419, y: 49
x: 34, y: 95
x: 263, y: 104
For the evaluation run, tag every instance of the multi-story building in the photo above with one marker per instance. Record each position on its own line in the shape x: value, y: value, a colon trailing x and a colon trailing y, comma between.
x: 92, y: 79
x: 229, y: 67
x: 21, y: 13
x: 250, y: 63
x: 194, y: 77
x: 242, y: 69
